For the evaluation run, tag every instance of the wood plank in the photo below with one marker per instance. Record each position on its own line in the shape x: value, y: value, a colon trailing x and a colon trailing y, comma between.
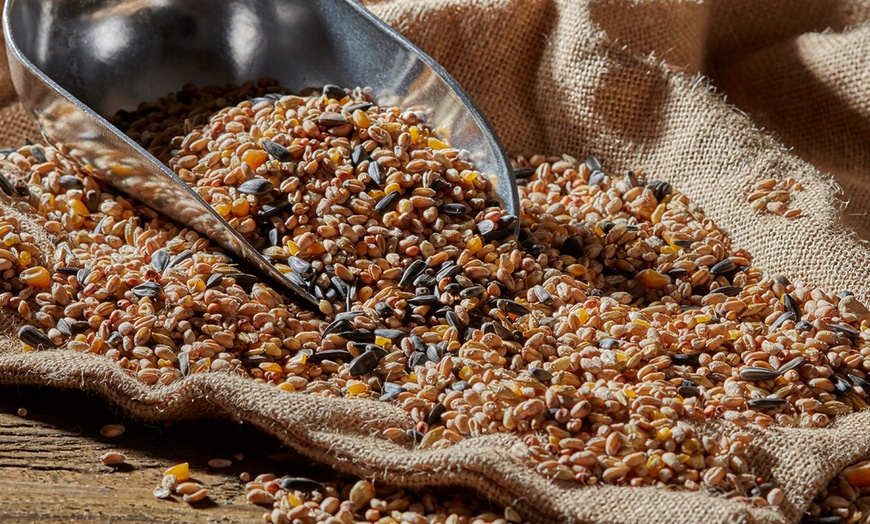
x: 50, y: 468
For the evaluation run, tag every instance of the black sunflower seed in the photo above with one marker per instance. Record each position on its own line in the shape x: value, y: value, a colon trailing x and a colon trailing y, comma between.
x: 92, y: 201
x: 803, y: 325
x: 340, y: 287
x: 277, y: 151
x: 363, y: 364
x: 597, y: 177
x: 754, y: 374
x: 791, y: 305
x: 846, y: 331
x: 435, y: 415
x: 147, y: 290
x: 376, y: 173
x: 686, y: 243
x: 722, y: 267
x: 337, y: 326
x: 256, y: 187
x: 841, y: 385
x: 333, y: 91
x: 379, y: 351
x: 411, y: 273
x: 417, y: 359
x: 384, y: 310
x: 512, y: 307
x: 418, y: 343
x: 301, y: 484
x: 423, y: 300
x: 349, y: 315
x: 82, y: 274
x: 827, y: 519
x: 682, y: 359
x: 214, y: 279
x: 783, y: 318
x: 454, y: 322
x: 660, y: 189
x: 424, y: 280
x: 453, y: 209
x: 593, y: 163
x: 184, y: 363
x: 387, y: 203
x: 471, y: 292
x: 179, y: 258
x: 521, y: 173
x: 244, y: 280
x: 459, y: 385
x: 361, y: 106
x: 540, y: 374
x: 6, y: 186
x: 485, y: 227
x: 71, y: 182
x: 571, y: 247
x: 331, y: 119
x: 38, y: 153
x: 358, y: 155
x: 392, y: 334
x: 861, y: 383
x: 272, y: 208
x: 543, y: 295
x: 677, y: 273
x: 35, y: 338
x: 358, y: 335
x: 64, y: 327
x: 332, y: 354
x: 453, y: 288
x: 303, y: 267
x: 766, y: 403
x: 437, y: 184
x: 160, y: 259
x: 449, y: 270
x: 728, y: 291
x: 414, y: 435
x: 791, y: 364
x: 434, y: 353
x: 608, y: 343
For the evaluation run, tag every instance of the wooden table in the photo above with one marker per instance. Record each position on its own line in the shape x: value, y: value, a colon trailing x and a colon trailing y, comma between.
x: 50, y: 468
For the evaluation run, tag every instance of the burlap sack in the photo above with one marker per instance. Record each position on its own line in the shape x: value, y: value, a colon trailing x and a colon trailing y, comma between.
x: 619, y: 79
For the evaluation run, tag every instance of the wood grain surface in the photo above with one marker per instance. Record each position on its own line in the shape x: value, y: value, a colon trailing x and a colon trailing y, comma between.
x: 50, y: 468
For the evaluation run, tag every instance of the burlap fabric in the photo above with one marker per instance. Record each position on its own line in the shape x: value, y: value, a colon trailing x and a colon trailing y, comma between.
x: 620, y: 79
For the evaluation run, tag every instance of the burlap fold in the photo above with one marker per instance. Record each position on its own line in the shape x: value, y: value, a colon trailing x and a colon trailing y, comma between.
x: 620, y: 79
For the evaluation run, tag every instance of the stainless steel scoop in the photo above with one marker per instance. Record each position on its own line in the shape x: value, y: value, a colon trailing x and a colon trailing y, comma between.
x: 76, y: 62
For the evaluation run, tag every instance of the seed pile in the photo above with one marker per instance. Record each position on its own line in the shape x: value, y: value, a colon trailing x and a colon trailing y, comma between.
x: 774, y: 197
x: 618, y: 318
x: 294, y: 499
x: 846, y: 499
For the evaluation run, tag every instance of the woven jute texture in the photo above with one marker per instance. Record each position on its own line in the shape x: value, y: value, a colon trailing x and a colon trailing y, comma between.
x: 710, y: 96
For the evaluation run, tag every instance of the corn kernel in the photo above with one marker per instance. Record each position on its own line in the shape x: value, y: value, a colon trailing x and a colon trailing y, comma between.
x: 286, y: 386
x: 317, y: 249
x: 292, y: 247
x: 663, y: 434
x: 653, y: 279
x: 255, y: 157
x: 474, y: 245
x: 181, y: 471
x: 223, y: 209
x: 434, y: 143
x: 415, y: 134
x: 382, y: 341
x: 24, y: 258
x: 293, y: 500
x: 355, y: 387
x: 271, y: 366
x: 79, y: 208
x: 361, y: 119
x: 241, y: 207
x: 35, y: 276
x: 465, y: 373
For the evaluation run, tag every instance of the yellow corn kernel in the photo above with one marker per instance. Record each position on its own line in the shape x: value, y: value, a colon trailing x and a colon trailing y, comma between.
x: 663, y: 434
x: 181, y: 471
x: 164, y: 363
x: 630, y: 393
x: 582, y: 315
x: 434, y: 143
x: 700, y: 319
x: 382, y: 341
x: 653, y: 279
x: 255, y: 157
x: 474, y: 244
x: 317, y: 249
x: 293, y: 500
x: 390, y: 188
x: 576, y: 270
x: 241, y: 207
x: 24, y: 258
x: 355, y: 387
x: 196, y: 285
x: 415, y: 134
x: 286, y: 386
x: 465, y: 373
x: 658, y: 213
x: 223, y: 209
x: 292, y: 247
x: 361, y: 119
x: 79, y: 208
x: 11, y: 239
x: 35, y: 276
x: 271, y: 366
x: 469, y: 176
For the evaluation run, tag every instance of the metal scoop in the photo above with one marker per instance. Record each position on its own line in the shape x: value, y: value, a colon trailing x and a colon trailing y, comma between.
x: 76, y: 62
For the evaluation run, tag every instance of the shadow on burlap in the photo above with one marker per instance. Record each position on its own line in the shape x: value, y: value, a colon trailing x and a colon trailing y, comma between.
x: 619, y: 79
